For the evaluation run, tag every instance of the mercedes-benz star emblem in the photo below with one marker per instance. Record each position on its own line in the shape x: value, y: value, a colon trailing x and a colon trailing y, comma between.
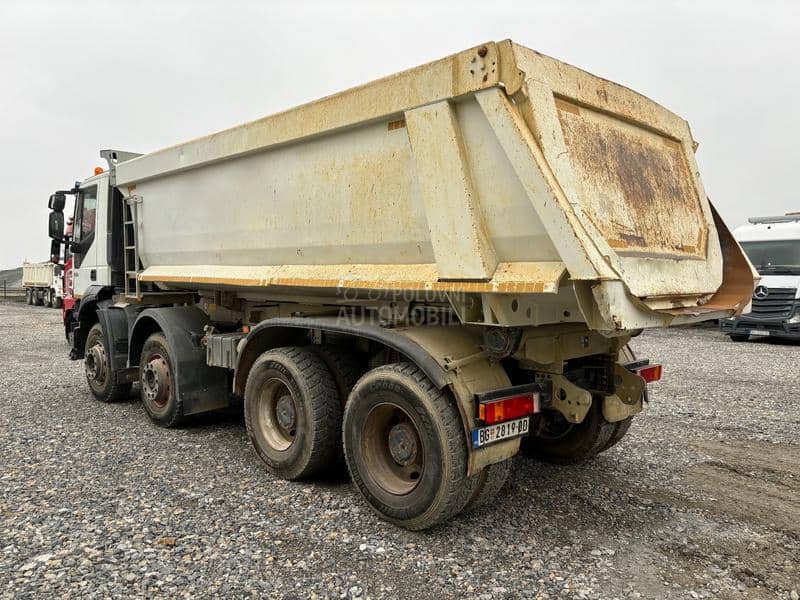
x: 761, y: 292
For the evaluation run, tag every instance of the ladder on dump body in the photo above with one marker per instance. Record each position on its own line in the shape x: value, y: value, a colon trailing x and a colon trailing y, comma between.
x: 130, y: 236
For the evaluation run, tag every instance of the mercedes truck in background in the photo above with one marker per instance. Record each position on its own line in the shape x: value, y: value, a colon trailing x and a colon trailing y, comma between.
x: 773, y: 246
x: 419, y: 277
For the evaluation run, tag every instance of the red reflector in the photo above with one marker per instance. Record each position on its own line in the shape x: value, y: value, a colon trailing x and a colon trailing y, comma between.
x: 505, y: 409
x: 650, y: 373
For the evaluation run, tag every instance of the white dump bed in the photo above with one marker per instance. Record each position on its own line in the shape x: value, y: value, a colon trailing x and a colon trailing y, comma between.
x: 39, y: 274
x: 497, y: 172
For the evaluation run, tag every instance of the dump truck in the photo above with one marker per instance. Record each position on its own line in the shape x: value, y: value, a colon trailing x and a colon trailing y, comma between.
x: 43, y: 283
x: 418, y: 278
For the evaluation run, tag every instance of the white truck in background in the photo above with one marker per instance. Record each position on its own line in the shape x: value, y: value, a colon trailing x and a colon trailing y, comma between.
x: 773, y: 246
x: 43, y: 283
x: 421, y: 276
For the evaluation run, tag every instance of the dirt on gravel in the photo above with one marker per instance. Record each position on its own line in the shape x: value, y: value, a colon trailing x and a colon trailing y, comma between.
x: 700, y: 499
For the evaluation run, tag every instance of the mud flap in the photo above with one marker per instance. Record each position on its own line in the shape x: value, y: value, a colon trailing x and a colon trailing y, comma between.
x: 201, y: 388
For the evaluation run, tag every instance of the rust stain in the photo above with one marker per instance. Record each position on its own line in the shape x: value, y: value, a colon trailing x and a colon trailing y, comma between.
x: 639, y: 191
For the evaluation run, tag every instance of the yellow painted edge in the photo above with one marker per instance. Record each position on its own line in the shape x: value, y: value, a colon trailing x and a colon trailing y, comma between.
x: 501, y: 285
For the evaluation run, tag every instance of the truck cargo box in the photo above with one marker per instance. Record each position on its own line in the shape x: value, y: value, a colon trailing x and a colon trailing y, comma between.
x: 496, y: 177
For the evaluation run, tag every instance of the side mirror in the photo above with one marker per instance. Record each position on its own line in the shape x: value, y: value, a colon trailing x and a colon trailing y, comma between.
x: 56, y: 226
x: 57, y: 202
x: 55, y: 251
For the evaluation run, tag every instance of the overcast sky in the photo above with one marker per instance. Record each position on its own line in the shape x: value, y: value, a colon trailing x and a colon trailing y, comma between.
x: 79, y: 76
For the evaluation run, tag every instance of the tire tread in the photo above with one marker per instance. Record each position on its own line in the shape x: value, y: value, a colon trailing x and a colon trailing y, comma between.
x: 457, y: 487
x: 326, y: 413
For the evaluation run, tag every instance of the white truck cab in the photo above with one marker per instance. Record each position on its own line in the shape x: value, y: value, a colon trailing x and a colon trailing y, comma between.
x: 773, y: 246
x: 89, y: 233
x: 95, y: 239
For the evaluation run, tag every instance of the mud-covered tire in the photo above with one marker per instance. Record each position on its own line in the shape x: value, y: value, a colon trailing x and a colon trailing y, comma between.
x: 490, y: 481
x: 405, y: 447
x: 619, y: 431
x: 98, y: 373
x: 578, y: 442
x: 28, y: 299
x: 157, y: 383
x: 343, y: 365
x: 346, y: 369
x: 58, y: 302
x: 292, y: 412
x: 37, y: 299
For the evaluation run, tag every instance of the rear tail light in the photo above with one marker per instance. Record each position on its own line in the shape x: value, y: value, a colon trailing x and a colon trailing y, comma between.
x: 510, y: 407
x: 649, y: 373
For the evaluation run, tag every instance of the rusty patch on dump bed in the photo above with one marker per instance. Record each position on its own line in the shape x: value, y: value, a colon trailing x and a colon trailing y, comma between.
x: 638, y: 190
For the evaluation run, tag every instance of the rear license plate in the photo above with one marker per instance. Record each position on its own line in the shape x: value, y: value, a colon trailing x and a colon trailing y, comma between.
x: 500, y: 431
x: 759, y: 332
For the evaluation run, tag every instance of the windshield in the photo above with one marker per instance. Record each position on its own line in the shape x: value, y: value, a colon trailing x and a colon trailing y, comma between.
x: 774, y: 256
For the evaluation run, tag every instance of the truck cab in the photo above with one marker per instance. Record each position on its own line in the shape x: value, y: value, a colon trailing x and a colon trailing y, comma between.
x: 773, y: 246
x: 93, y: 252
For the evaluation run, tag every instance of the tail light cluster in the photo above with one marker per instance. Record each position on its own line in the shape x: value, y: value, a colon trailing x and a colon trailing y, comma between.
x: 649, y: 373
x: 512, y: 403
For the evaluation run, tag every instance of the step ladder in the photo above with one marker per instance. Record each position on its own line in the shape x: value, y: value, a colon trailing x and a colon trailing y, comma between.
x: 130, y: 236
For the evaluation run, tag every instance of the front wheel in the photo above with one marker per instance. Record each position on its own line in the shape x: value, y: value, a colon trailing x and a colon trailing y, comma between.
x: 157, y: 382
x: 98, y: 371
x: 405, y: 447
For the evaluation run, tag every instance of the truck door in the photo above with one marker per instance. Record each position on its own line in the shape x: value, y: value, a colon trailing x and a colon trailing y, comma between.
x: 85, y: 271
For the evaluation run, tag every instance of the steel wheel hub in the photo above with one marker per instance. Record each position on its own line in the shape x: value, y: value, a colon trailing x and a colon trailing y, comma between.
x: 285, y: 412
x: 95, y: 363
x: 156, y: 381
x: 278, y: 414
x: 393, y: 451
x: 403, y: 444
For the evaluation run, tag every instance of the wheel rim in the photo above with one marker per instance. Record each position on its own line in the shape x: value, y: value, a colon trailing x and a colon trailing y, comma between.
x: 554, y: 426
x: 96, y: 365
x: 278, y: 414
x: 392, y: 448
x: 156, y: 382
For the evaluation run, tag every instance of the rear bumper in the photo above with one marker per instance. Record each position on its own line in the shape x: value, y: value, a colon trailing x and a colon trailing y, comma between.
x: 744, y: 325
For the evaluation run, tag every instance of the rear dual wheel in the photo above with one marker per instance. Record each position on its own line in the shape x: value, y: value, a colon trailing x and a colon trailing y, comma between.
x: 559, y: 441
x: 404, y: 446
x: 292, y: 412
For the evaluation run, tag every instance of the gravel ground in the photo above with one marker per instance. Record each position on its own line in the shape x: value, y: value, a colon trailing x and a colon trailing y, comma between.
x: 701, y: 499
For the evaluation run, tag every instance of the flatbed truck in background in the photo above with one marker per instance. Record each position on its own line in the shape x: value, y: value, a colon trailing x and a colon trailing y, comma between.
x: 418, y: 277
